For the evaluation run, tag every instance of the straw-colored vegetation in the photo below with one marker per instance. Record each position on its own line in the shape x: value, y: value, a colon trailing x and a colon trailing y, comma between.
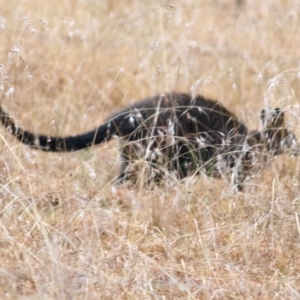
x: 66, y: 232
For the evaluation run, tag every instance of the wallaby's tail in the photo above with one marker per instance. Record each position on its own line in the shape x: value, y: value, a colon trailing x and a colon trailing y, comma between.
x: 63, y: 144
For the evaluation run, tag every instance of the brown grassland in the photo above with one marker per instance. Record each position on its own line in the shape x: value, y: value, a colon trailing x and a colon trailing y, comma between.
x: 66, y: 231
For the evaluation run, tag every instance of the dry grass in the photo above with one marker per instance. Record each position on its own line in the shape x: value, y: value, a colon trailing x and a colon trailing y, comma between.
x: 66, y: 231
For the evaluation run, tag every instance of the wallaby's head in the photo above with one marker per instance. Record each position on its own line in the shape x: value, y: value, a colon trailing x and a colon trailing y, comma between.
x: 277, y: 137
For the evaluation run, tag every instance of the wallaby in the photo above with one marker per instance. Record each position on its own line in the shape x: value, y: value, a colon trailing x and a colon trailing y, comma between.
x: 175, y: 134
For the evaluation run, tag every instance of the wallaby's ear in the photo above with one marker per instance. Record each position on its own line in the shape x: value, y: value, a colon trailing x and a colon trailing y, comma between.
x: 263, y: 115
x: 278, y: 117
x: 277, y: 111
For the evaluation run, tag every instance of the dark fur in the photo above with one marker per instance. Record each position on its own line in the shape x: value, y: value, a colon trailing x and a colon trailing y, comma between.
x: 174, y: 134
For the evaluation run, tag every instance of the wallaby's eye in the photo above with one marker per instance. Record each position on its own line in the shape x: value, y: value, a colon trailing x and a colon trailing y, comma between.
x: 248, y: 155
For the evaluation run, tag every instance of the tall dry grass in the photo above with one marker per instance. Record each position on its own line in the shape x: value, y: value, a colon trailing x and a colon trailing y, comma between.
x: 66, y: 232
